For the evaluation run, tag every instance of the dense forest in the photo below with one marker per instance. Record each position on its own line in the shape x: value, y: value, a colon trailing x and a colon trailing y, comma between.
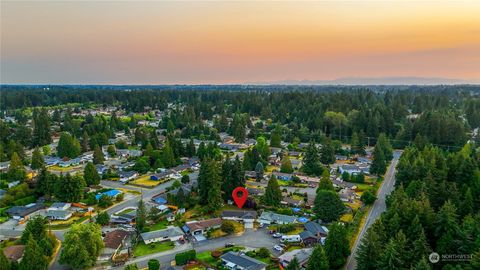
x: 435, y: 207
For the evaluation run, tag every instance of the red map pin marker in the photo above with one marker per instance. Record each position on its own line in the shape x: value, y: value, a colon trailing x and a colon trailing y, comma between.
x: 240, y: 201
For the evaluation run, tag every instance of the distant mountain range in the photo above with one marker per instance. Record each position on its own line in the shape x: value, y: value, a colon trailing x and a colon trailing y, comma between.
x: 373, y: 81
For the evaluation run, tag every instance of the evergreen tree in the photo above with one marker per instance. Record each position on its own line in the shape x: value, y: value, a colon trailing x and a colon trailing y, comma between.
x: 422, y: 265
x: 41, y: 128
x: 103, y: 218
x: 33, y: 258
x: 112, y: 152
x: 190, y: 148
x: 46, y: 183
x: 37, y: 159
x: 286, y: 166
x: 385, y: 146
x: 311, y: 161
x: 141, y: 217
x: 390, y: 258
x: 328, y: 206
x: 69, y: 188
x: 337, y: 246
x: 318, y: 260
x: 85, y: 140
x: 379, y: 164
x: 90, y: 175
x: 259, y: 172
x: 4, y: 262
x: 327, y: 153
x: 68, y: 146
x: 168, y: 157
x: 293, y: 265
x: 98, y: 157
x: 16, y: 170
x: 276, y: 139
x: 273, y: 195
x: 369, y: 251
x: 209, y: 185
x: 325, y: 182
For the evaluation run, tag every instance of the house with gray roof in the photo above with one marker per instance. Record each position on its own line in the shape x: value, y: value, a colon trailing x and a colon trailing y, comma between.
x: 169, y: 234
x: 245, y: 216
x: 302, y: 256
x: 237, y: 261
x: 268, y: 217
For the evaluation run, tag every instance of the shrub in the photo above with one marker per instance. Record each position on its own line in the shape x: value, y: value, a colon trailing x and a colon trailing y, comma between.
x: 263, y: 252
x: 119, y: 197
x: 368, y: 197
x: 184, y: 257
x: 153, y: 264
x: 105, y: 201
x: 216, y: 253
x: 227, y: 227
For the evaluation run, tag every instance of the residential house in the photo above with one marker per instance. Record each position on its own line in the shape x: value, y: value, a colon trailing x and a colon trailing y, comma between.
x: 353, y: 169
x: 116, y: 241
x: 283, y: 176
x: 4, y: 165
x: 308, y: 238
x: 239, y: 261
x: 302, y: 256
x: 255, y: 191
x: 14, y: 253
x: 59, y: 211
x: 101, y: 169
x: 169, y: 234
x: 347, y: 195
x: 250, y: 174
x: 161, y: 175
x: 126, y: 176
x: 291, y: 202
x: 23, y: 212
x: 275, y: 150
x: 51, y: 161
x: 201, y: 227
x: 296, y: 163
x: 274, y: 160
x: 296, y: 154
x: 245, y: 216
x: 268, y: 217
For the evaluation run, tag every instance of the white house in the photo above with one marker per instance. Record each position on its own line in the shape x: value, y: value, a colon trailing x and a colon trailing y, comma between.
x: 169, y: 234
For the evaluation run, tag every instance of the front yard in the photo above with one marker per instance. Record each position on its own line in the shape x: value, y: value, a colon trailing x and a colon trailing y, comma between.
x: 141, y: 249
x: 145, y: 181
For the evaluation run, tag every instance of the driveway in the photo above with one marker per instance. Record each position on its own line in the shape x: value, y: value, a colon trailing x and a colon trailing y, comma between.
x: 250, y: 239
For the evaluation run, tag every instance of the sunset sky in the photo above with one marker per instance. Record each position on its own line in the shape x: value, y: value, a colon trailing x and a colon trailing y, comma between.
x: 199, y: 42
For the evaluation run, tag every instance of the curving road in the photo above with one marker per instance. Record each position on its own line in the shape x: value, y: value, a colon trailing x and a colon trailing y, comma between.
x: 377, y: 209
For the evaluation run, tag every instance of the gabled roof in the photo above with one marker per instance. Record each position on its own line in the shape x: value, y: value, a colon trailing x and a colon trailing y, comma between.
x: 114, y: 239
x: 24, y: 210
x: 165, y: 233
x: 204, y: 224
x: 244, y: 261
x: 307, y: 234
x: 315, y: 228
x: 245, y: 214
x: 274, y: 217
x: 14, y: 253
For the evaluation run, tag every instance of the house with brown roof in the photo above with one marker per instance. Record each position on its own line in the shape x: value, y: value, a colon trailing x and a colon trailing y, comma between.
x: 201, y: 227
x: 115, y: 242
x: 14, y: 253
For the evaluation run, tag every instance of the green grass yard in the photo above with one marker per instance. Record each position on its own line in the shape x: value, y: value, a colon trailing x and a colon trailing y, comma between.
x: 141, y: 249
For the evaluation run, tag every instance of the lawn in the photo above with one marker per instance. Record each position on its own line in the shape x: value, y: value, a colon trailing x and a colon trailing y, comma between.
x: 145, y: 181
x: 283, y: 183
x: 347, y: 218
x: 64, y: 224
x: 297, y: 230
x: 158, y: 226
x: 207, y: 258
x: 62, y: 169
x: 141, y: 249
x: 3, y: 219
x: 126, y: 211
x: 239, y: 228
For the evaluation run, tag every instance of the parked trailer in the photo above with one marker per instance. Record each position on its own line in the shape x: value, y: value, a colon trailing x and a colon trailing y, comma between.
x: 291, y: 238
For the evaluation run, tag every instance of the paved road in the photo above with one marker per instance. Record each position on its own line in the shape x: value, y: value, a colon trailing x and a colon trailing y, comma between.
x: 377, y: 209
x: 250, y: 239
x: 147, y: 195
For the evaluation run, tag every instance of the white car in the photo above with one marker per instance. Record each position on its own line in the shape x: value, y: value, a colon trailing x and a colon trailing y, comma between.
x: 277, y: 235
x: 278, y: 248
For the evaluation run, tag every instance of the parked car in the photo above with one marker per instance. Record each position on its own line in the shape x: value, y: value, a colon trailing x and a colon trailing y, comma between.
x: 230, y: 244
x: 278, y: 248
x: 277, y: 235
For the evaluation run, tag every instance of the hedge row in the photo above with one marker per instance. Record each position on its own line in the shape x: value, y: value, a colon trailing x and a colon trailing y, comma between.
x: 184, y: 257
